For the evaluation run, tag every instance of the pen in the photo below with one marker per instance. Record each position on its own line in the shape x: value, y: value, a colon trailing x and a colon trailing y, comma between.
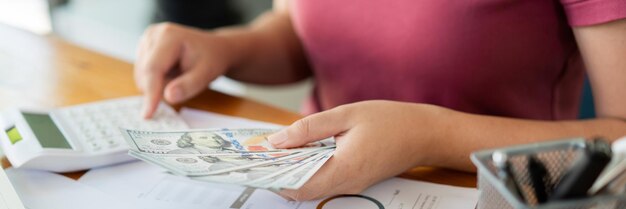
x: 617, y: 185
x: 506, y: 175
x: 614, y: 170
x: 585, y: 170
x: 538, y: 175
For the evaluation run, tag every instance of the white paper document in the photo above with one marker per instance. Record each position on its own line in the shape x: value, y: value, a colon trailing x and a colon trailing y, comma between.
x: 147, y: 186
x: 150, y: 187
x: 8, y: 196
x: 44, y: 190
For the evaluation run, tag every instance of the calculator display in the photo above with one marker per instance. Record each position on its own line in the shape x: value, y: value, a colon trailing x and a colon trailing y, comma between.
x: 46, y: 131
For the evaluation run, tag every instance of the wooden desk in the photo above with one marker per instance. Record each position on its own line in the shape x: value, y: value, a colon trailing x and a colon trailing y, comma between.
x: 36, y: 70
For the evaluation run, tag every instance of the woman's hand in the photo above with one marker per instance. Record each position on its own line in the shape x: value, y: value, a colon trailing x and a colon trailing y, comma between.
x: 178, y: 62
x: 375, y: 140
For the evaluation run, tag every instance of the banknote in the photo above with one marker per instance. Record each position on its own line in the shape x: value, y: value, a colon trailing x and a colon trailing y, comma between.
x: 212, y: 141
x: 247, y: 175
x: 274, y: 180
x: 201, y: 165
x: 298, y: 177
x: 235, y: 156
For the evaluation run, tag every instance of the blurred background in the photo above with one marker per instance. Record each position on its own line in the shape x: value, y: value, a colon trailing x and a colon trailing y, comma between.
x: 113, y: 27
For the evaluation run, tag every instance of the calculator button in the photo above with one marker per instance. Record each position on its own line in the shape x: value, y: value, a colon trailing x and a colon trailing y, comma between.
x: 113, y: 144
x: 95, y: 146
x: 97, y: 124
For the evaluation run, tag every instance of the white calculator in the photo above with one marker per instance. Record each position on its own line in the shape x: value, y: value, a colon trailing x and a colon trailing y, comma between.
x: 78, y: 137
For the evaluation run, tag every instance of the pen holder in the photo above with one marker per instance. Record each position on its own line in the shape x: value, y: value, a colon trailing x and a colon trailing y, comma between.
x: 557, y: 157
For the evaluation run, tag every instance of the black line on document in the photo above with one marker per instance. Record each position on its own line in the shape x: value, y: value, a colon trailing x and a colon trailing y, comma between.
x: 416, y: 200
x: 298, y: 206
x: 395, y: 194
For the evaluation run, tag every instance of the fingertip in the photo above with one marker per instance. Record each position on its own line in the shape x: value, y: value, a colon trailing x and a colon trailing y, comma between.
x: 278, y: 139
x: 287, y: 194
x: 302, y: 194
x: 281, y: 193
x: 174, y: 93
x: 149, y: 106
x: 146, y: 113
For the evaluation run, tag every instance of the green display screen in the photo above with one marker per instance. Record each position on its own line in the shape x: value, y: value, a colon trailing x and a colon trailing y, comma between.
x: 47, y: 133
x: 14, y: 135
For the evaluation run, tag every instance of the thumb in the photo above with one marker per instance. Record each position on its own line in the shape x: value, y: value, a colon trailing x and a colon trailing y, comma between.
x: 187, y: 85
x: 311, y: 128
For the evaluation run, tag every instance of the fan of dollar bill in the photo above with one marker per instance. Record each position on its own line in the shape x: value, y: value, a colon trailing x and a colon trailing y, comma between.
x: 236, y: 156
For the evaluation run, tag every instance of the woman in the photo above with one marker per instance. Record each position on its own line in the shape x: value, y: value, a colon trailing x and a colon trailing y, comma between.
x: 448, y: 77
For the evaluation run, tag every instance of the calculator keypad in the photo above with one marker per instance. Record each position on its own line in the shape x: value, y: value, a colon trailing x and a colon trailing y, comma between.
x: 97, y: 125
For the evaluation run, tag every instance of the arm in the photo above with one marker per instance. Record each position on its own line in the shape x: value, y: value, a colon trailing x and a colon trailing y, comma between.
x: 380, y: 139
x: 604, y: 51
x: 267, y: 51
x: 476, y: 132
x: 176, y: 62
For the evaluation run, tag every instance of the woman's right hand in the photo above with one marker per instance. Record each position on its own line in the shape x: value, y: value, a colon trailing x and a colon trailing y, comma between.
x: 175, y: 62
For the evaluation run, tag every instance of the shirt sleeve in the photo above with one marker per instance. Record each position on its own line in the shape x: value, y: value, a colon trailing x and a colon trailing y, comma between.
x: 591, y: 12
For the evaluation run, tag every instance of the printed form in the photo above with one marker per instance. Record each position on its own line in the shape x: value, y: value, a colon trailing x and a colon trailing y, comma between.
x: 148, y: 186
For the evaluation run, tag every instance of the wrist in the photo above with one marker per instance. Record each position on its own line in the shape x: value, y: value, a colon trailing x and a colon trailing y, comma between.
x: 435, y: 140
x: 237, y: 45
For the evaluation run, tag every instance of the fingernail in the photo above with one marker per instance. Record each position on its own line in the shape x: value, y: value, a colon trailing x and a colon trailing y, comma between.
x: 145, y: 113
x: 275, y: 190
x: 176, y: 95
x: 278, y: 137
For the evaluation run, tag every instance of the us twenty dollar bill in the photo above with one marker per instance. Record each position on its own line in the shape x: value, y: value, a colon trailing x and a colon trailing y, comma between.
x: 211, y: 141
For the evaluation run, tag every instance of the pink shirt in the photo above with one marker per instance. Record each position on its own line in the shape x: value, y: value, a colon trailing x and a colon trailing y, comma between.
x: 515, y: 58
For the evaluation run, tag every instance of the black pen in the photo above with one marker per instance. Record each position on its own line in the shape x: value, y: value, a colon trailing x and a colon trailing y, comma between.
x: 506, y: 175
x: 585, y: 170
x: 538, y: 174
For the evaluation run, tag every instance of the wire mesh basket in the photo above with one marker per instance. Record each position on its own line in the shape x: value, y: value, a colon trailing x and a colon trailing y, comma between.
x: 557, y: 156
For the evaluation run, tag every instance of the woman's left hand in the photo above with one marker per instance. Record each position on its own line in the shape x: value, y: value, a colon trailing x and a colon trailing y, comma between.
x: 375, y: 140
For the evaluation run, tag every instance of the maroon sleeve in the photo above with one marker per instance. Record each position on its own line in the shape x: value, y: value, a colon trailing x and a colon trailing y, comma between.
x: 591, y: 12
